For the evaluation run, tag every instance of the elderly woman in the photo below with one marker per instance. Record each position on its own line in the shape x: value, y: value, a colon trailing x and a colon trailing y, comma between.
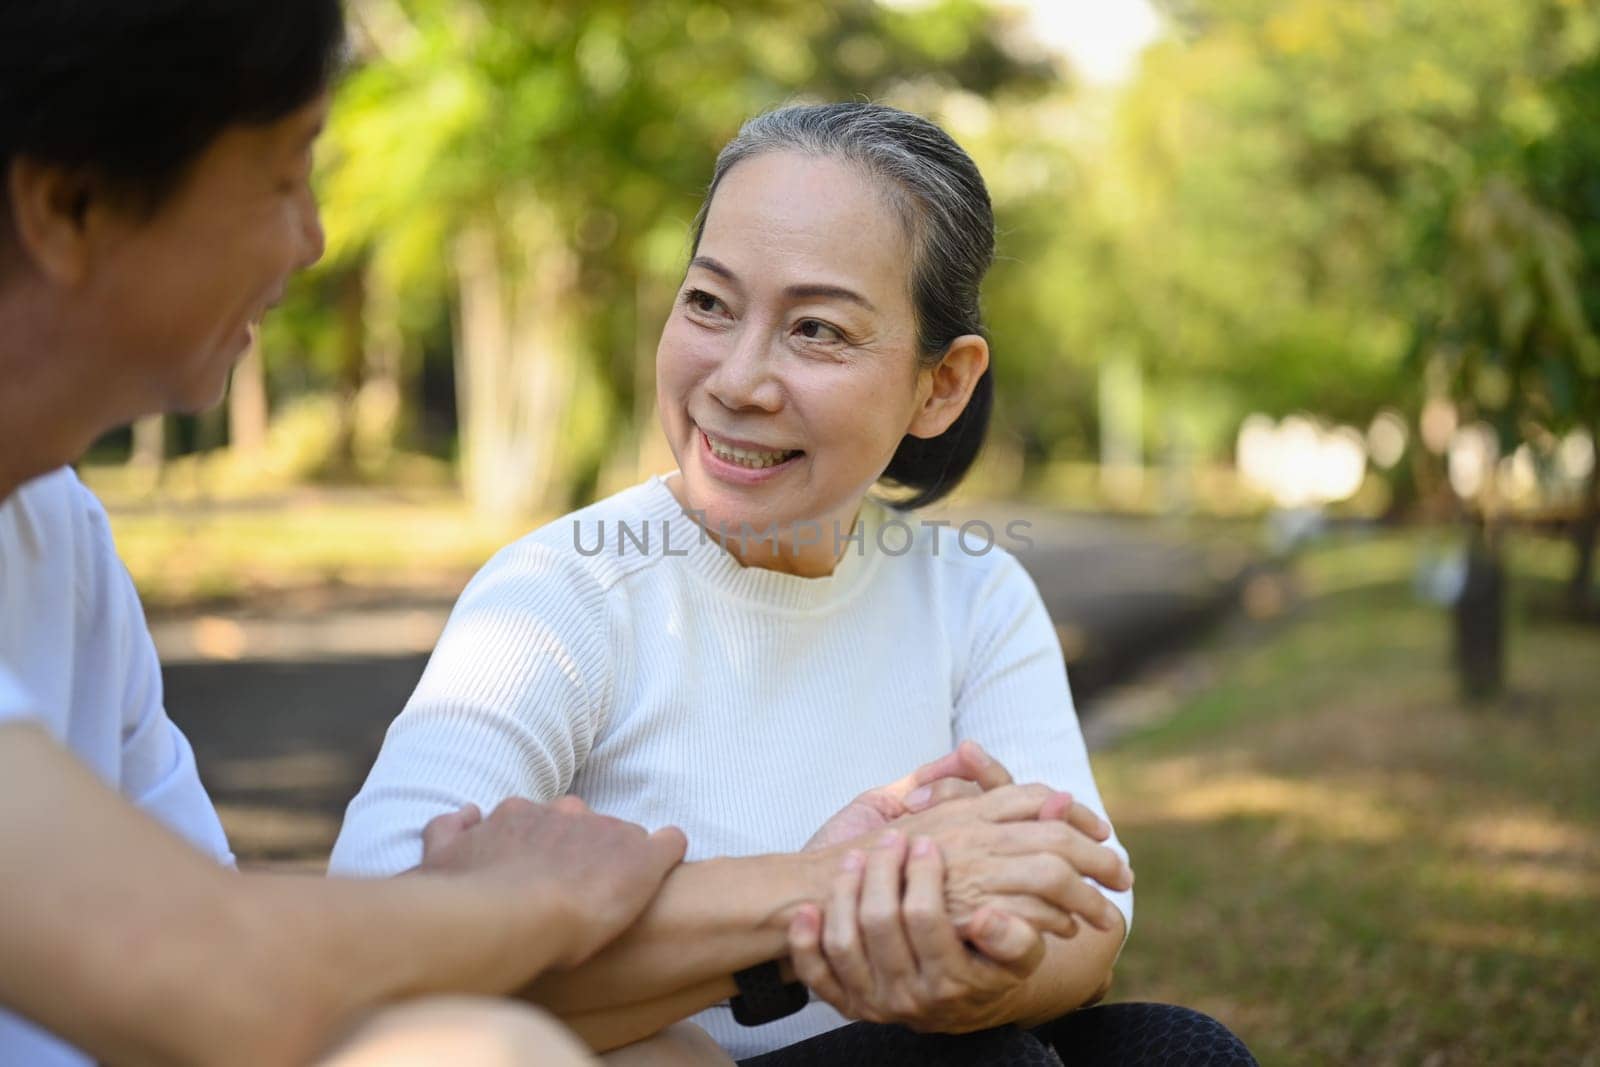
x: 741, y: 647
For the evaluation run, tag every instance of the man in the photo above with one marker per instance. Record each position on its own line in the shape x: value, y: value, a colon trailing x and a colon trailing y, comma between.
x: 154, y: 200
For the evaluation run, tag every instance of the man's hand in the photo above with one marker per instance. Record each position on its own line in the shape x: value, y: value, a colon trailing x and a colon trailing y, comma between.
x: 594, y: 873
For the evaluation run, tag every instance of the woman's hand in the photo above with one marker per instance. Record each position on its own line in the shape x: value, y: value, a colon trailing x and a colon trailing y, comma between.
x: 887, y: 951
x: 988, y: 773
x: 1014, y: 849
x: 966, y: 772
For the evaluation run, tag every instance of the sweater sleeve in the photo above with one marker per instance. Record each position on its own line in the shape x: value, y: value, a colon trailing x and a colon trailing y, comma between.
x: 1013, y: 698
x: 509, y: 705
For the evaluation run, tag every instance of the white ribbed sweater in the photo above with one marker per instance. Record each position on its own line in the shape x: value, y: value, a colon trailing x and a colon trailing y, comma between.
x: 671, y: 685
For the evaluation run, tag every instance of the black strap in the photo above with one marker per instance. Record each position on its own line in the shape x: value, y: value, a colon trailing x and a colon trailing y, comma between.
x: 764, y: 996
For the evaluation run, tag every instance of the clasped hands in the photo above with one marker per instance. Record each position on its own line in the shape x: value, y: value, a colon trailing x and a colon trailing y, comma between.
x: 948, y: 881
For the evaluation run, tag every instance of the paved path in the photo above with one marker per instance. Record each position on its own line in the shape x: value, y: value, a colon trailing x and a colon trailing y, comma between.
x: 287, y: 712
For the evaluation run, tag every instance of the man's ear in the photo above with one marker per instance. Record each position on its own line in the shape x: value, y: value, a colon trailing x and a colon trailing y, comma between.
x: 49, y: 216
x: 952, y: 383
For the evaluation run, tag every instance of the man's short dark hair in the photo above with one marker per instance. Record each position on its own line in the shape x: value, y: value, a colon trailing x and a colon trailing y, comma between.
x: 133, y: 91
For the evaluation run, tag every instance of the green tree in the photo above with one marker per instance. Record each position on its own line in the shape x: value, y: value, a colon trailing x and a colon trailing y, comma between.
x: 1349, y: 183
x: 533, y: 167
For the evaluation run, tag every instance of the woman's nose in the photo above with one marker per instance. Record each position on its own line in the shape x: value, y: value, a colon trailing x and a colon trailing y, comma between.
x: 744, y: 378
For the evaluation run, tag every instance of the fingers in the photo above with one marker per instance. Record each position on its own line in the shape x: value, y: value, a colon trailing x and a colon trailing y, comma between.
x: 442, y: 829
x: 887, y: 951
x: 569, y: 804
x: 924, y: 797
x: 884, y: 800
x: 841, y: 941
x: 950, y: 765
x: 1006, y: 940
x: 670, y: 844
x: 1089, y: 858
x: 1045, y: 917
x: 810, y: 966
x: 968, y: 763
x: 933, y: 937
x: 1014, y: 803
x: 1062, y: 808
x: 987, y: 771
x: 1054, y: 881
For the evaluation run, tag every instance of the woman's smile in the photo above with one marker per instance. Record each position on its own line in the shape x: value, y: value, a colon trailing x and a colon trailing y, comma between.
x: 742, y: 462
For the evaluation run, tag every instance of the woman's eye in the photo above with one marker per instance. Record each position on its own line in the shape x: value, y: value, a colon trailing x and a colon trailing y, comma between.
x: 702, y: 301
x: 812, y: 330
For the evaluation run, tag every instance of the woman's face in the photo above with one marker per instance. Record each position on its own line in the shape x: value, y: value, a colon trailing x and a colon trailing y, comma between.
x: 787, y: 373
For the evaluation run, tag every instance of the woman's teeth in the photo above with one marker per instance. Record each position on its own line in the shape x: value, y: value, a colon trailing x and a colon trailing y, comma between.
x: 746, y: 458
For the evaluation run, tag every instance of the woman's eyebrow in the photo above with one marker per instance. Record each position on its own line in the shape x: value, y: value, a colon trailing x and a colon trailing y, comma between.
x: 837, y: 292
x: 815, y: 289
x: 707, y: 263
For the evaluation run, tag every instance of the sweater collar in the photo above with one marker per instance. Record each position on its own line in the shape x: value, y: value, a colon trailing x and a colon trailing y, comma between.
x: 717, y: 566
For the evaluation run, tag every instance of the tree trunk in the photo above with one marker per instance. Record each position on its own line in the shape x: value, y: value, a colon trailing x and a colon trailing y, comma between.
x: 1585, y: 532
x: 247, y: 402
x: 1480, y: 622
x: 352, y: 317
x: 381, y: 403
x: 149, y: 444
x: 1122, y: 406
x: 514, y: 368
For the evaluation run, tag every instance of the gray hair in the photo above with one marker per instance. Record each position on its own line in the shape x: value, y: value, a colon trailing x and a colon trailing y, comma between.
x: 944, y: 206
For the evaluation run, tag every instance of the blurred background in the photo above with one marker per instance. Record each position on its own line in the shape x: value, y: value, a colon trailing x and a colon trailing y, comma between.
x: 1299, y: 382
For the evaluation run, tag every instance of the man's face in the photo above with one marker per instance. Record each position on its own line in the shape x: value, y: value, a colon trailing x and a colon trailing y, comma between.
x: 177, y: 294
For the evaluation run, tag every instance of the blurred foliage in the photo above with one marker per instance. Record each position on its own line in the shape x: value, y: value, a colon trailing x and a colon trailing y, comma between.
x: 579, y: 139
x: 1324, y: 205
x: 1289, y: 173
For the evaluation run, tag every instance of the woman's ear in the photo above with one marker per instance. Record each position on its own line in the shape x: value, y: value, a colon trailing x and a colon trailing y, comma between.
x: 952, y: 382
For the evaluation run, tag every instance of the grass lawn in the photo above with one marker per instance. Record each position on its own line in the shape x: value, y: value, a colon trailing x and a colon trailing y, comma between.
x: 194, y: 553
x: 1345, y: 864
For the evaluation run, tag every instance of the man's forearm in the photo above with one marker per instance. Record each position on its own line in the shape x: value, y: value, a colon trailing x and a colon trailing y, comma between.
x: 710, y: 919
x: 130, y: 944
x: 348, y: 945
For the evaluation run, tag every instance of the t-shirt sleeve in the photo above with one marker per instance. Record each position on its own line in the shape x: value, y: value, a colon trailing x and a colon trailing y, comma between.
x: 158, y: 771
x: 1014, y: 698
x: 508, y: 706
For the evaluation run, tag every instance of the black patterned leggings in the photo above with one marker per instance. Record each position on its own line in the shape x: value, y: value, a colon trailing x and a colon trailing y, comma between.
x: 1110, y: 1035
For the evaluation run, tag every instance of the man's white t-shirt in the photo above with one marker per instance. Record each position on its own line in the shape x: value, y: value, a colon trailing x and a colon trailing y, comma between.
x: 14, y: 703
x: 77, y: 659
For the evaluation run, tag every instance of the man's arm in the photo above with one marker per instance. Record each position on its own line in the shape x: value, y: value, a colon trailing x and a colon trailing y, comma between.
x: 126, y: 942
